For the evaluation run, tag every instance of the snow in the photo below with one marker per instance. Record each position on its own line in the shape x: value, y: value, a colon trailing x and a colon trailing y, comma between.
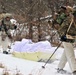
x: 27, y: 67
x: 15, y: 65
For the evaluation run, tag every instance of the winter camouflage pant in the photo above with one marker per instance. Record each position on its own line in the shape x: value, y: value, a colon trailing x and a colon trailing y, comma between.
x: 4, y: 40
x: 68, y: 56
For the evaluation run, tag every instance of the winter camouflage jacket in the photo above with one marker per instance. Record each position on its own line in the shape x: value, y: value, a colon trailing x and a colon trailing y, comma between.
x: 65, y: 25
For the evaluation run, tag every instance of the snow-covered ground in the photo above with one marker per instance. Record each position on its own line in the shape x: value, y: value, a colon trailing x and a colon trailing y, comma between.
x: 15, y: 65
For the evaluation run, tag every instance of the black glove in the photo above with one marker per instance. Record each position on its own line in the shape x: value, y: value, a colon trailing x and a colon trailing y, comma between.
x: 63, y: 38
x: 15, y: 27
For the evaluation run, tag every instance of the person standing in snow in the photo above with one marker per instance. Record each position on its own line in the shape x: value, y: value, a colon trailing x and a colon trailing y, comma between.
x: 6, y: 37
x: 67, y: 32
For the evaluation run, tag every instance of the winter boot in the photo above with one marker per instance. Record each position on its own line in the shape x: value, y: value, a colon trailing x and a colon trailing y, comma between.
x: 61, y: 71
x: 74, y: 73
x: 5, y: 52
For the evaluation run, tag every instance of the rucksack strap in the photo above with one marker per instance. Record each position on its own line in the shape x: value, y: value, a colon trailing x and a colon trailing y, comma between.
x: 70, y: 26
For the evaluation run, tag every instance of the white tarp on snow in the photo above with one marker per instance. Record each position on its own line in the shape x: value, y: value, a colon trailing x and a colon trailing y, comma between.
x: 26, y: 45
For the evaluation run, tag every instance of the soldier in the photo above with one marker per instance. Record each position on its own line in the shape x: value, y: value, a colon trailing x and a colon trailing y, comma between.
x: 67, y: 32
x: 6, y: 37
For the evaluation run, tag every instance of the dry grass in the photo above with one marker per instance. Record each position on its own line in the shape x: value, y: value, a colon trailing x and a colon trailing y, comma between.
x: 18, y: 74
x: 11, y: 72
x: 1, y: 65
x: 6, y: 72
